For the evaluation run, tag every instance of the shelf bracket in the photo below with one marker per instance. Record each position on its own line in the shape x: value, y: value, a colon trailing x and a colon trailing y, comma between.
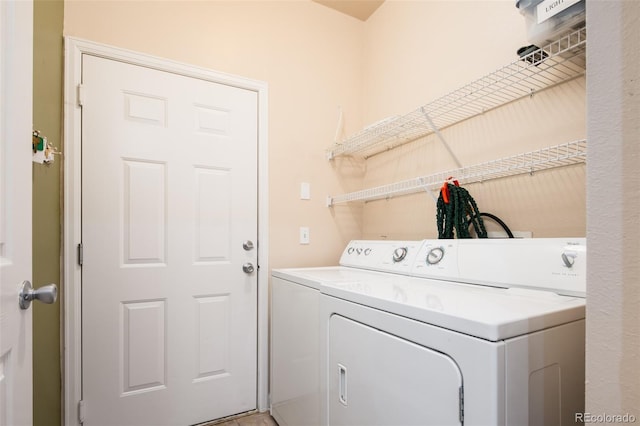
x: 339, y: 132
x: 340, y: 126
x: 442, y: 139
x: 428, y: 190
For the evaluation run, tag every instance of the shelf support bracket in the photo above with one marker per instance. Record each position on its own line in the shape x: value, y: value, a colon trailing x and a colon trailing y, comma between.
x: 442, y: 139
x: 433, y: 197
x: 428, y: 190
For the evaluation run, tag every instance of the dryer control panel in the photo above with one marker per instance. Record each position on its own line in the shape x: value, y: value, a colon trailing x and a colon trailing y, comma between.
x: 558, y: 265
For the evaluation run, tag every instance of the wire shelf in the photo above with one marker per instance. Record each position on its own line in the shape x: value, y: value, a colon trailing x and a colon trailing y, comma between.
x: 555, y: 63
x: 543, y: 159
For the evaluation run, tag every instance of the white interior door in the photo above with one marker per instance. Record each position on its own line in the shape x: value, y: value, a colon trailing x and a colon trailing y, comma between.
x: 169, y: 196
x: 16, y: 41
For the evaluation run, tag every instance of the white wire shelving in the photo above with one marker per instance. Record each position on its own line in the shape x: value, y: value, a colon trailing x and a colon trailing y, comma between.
x: 542, y: 159
x: 555, y: 63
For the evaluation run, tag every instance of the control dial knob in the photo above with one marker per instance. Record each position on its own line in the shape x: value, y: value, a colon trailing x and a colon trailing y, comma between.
x: 569, y: 259
x: 435, y: 255
x: 399, y: 254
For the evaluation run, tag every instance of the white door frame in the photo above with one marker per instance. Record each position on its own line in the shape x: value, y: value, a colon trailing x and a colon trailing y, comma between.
x: 74, y: 49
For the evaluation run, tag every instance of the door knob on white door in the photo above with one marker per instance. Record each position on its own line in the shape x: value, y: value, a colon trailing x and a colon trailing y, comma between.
x: 46, y: 294
x: 248, y: 268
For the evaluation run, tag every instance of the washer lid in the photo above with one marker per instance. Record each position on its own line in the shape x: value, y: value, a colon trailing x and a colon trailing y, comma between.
x: 314, y: 277
x: 486, y: 312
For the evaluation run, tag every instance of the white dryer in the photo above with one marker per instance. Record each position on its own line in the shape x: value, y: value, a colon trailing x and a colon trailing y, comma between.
x: 481, y: 332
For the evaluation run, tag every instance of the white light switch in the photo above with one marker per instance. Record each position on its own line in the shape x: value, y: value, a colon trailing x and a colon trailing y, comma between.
x: 305, y: 191
x: 304, y: 235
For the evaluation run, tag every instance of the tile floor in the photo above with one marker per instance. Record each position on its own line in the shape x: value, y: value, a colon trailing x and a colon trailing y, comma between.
x: 256, y: 419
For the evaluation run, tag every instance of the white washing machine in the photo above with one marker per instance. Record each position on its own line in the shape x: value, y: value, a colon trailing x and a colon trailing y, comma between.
x: 482, y: 332
x: 295, y: 383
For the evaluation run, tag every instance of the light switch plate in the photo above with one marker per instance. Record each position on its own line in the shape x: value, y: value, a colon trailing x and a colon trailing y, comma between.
x: 304, y: 235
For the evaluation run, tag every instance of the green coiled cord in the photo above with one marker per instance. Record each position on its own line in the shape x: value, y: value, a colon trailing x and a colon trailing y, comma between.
x: 457, y: 214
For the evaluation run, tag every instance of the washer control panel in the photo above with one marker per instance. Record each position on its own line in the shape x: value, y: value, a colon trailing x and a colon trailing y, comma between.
x: 381, y: 255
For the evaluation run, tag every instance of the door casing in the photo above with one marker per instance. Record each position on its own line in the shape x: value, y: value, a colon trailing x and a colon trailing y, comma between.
x: 74, y: 49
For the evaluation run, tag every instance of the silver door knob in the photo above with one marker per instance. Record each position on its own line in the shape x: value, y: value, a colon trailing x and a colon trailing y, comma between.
x: 247, y: 245
x: 46, y: 294
x: 248, y: 268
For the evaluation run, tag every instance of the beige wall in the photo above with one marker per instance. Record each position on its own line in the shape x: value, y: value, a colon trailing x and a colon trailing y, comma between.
x: 310, y: 56
x: 407, y: 54
x: 416, y: 52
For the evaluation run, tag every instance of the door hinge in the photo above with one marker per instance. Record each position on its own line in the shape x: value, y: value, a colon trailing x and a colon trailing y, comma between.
x: 80, y: 254
x: 81, y: 95
x: 81, y: 411
x: 461, y: 404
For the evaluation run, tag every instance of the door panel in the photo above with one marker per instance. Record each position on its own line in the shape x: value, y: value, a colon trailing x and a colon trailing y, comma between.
x: 169, y: 193
x: 16, y: 47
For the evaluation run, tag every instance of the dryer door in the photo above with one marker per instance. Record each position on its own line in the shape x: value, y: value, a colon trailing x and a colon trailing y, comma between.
x: 376, y: 378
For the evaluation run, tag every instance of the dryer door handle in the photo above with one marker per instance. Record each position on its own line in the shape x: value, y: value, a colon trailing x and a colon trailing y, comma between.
x: 342, y: 384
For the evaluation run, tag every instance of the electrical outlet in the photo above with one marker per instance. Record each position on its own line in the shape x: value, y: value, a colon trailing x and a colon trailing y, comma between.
x: 305, y: 191
x: 304, y: 235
